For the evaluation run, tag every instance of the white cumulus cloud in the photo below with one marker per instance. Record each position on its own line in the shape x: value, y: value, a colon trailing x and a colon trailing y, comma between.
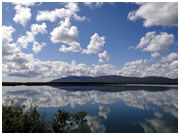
x: 156, y: 13
x: 70, y: 10
x: 103, y: 57
x: 94, y: 4
x: 8, y: 47
x: 7, y: 34
x: 153, y: 42
x: 23, y: 14
x: 65, y: 35
x: 39, y: 28
x: 171, y: 57
x: 73, y: 47
x: 155, y: 55
x: 24, y: 3
x: 23, y: 41
x: 37, y: 46
x: 95, y: 45
x: 134, y: 68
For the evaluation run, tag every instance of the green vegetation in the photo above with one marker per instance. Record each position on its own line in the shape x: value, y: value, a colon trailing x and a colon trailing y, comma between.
x: 18, y: 119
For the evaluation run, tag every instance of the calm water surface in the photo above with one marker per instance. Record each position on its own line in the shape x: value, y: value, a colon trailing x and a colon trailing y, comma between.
x: 110, y: 108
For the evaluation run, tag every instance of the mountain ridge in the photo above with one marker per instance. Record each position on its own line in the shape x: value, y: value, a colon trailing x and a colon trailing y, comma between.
x: 118, y: 79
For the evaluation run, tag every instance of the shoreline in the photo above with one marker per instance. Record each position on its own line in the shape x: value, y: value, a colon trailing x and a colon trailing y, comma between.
x: 84, y: 84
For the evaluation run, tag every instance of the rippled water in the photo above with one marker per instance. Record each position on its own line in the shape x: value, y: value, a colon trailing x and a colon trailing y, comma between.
x: 110, y: 109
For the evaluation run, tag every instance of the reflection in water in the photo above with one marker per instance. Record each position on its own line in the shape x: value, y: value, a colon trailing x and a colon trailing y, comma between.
x: 158, y: 125
x: 52, y: 97
x: 158, y: 114
x: 104, y: 111
x: 95, y: 124
x: 144, y: 100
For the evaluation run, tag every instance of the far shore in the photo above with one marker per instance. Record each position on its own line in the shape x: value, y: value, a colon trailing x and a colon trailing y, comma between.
x: 82, y: 84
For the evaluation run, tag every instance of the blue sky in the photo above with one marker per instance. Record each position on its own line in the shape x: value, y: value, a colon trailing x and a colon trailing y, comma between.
x: 89, y: 39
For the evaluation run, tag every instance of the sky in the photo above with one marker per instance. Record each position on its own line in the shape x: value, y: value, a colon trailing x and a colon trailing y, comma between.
x: 49, y: 40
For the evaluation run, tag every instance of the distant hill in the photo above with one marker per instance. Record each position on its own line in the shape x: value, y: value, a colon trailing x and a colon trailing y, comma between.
x: 118, y: 79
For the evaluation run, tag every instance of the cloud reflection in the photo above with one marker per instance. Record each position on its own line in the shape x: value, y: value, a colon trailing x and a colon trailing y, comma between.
x: 104, y: 111
x: 95, y: 124
x: 157, y: 126
x: 45, y: 96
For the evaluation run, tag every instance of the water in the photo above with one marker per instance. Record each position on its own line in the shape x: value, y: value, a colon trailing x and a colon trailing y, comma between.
x: 115, y: 109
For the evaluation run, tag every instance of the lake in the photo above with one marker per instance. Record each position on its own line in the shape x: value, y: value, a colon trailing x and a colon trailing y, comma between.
x: 112, y: 109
